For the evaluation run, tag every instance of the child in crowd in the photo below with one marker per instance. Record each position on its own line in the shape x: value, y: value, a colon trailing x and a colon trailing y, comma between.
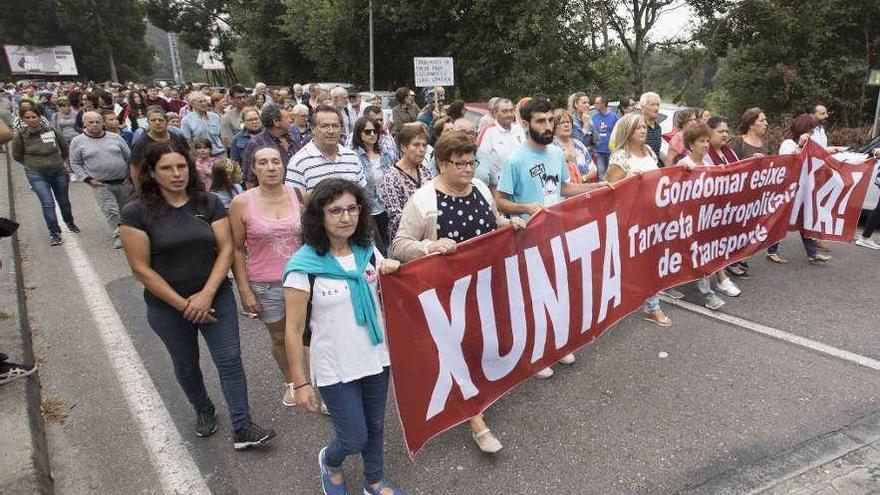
x: 226, y: 179
x: 204, y: 161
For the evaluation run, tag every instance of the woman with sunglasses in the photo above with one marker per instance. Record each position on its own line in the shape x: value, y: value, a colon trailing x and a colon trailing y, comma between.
x: 365, y: 141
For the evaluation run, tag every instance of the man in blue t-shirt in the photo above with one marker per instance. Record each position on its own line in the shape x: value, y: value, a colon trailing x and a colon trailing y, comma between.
x: 603, y: 121
x: 535, y: 176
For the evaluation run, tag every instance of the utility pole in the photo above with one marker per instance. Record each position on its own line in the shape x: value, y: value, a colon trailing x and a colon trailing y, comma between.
x: 372, y: 67
x: 175, y: 58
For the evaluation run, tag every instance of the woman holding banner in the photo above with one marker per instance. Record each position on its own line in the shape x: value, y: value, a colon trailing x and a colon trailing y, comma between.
x: 721, y: 153
x: 630, y: 155
x: 750, y: 141
x: 452, y: 208
x: 699, y: 141
x: 331, y: 285
x: 793, y: 141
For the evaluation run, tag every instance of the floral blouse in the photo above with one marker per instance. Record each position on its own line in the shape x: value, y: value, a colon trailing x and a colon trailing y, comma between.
x: 396, y: 188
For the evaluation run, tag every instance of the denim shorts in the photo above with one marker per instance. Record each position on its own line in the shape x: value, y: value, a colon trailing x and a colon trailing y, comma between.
x: 271, y: 298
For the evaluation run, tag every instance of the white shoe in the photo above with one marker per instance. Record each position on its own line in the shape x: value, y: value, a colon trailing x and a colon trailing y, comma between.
x: 713, y: 302
x: 487, y: 442
x: 728, y: 288
x: 867, y: 242
x: 545, y: 373
x: 567, y: 359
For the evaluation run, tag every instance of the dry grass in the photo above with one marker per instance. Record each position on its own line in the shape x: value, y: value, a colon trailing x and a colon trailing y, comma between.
x: 55, y: 410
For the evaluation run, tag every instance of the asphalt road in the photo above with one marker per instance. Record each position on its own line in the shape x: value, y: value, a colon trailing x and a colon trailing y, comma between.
x: 622, y: 420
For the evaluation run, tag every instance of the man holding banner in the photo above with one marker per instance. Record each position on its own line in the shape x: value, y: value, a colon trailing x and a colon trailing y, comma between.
x: 535, y: 176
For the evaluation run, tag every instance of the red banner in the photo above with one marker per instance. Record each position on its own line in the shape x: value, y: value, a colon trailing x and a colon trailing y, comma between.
x: 465, y: 328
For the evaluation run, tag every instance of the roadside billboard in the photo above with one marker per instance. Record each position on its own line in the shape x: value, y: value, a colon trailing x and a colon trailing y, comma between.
x: 40, y: 60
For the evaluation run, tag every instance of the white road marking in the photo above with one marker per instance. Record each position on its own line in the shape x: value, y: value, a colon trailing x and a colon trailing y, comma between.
x: 778, y: 334
x: 169, y: 455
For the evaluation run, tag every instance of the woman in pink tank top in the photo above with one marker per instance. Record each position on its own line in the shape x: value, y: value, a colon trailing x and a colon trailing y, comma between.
x: 266, y: 230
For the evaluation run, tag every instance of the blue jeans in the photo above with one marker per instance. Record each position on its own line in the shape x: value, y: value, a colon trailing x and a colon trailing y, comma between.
x: 602, y: 164
x: 652, y: 303
x: 358, y: 412
x: 809, y: 247
x: 51, y: 187
x: 181, y: 339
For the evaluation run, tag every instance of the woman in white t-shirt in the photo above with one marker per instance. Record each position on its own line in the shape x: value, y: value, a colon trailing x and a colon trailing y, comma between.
x: 629, y: 156
x: 697, y: 140
x: 333, y: 280
x: 793, y: 142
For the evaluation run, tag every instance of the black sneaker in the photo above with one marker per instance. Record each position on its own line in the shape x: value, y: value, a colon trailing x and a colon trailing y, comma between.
x: 73, y: 227
x: 206, y: 423
x: 55, y: 240
x: 250, y: 435
x: 13, y: 371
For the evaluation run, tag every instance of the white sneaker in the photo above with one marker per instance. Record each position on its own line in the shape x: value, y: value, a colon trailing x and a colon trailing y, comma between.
x: 544, y: 373
x: 728, y: 288
x: 567, y: 359
x: 867, y: 242
x: 713, y: 302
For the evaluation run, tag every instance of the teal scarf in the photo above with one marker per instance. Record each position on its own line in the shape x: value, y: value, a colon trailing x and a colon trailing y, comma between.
x: 308, y: 261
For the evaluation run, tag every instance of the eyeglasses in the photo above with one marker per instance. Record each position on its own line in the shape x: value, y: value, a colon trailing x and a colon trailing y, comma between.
x: 462, y: 164
x: 369, y: 132
x: 329, y: 127
x: 337, y: 211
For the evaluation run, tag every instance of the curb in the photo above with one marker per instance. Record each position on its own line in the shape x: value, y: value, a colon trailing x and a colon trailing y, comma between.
x: 37, y: 478
x: 783, y: 466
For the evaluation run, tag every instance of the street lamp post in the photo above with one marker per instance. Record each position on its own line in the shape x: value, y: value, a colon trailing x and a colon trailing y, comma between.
x: 372, y: 71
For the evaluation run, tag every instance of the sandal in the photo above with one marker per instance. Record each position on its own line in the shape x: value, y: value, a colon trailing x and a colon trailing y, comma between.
x: 735, y: 270
x: 777, y: 258
x: 486, y: 441
x: 657, y: 316
x: 383, y: 485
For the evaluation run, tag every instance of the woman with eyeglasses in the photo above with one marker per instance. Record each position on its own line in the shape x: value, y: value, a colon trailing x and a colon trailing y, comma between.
x: 452, y: 208
x: 333, y: 279
x: 408, y: 174
x: 250, y: 117
x: 581, y: 169
x: 365, y: 141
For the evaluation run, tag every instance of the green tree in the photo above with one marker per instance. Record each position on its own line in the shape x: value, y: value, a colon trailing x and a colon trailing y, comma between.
x: 778, y: 58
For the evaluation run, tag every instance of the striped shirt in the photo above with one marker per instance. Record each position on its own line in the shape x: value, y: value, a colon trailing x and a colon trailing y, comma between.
x: 309, y: 166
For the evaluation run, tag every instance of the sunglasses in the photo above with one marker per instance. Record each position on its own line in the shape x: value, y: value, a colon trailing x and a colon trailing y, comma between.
x: 369, y: 132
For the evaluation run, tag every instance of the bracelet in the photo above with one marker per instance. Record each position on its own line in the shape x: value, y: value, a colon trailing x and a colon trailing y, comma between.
x: 187, y: 305
x: 297, y: 387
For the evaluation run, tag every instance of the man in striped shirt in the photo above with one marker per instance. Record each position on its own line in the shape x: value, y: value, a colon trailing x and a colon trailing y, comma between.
x: 323, y: 157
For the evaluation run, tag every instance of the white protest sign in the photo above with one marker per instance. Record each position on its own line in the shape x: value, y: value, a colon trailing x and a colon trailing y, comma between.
x: 434, y: 71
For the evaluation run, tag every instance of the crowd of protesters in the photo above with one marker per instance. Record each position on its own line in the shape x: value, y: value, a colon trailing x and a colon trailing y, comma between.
x: 308, y: 194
